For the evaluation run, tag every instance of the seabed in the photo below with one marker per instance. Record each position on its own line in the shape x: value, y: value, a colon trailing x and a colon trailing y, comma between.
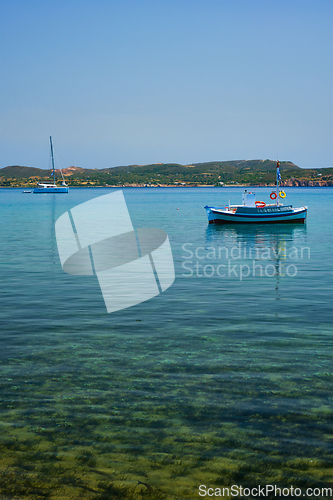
x: 95, y: 445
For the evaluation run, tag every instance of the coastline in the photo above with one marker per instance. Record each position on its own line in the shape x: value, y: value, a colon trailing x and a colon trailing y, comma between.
x: 243, y: 173
x: 253, y: 186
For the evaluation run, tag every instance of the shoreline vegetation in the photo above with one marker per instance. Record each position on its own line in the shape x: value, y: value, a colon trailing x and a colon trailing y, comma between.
x: 257, y: 173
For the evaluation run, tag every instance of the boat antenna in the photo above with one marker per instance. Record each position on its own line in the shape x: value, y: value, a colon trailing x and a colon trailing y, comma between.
x: 52, y: 156
x: 278, y: 176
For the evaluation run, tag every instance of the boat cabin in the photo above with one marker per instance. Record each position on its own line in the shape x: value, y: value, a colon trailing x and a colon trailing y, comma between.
x: 249, y: 199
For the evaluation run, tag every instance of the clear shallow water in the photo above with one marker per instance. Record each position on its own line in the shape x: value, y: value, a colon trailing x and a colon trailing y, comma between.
x: 217, y: 381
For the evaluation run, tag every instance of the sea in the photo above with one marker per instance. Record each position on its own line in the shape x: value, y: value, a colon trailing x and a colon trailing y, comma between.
x: 218, y: 386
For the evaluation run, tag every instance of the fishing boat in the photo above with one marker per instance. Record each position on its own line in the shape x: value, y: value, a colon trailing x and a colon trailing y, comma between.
x: 43, y: 187
x: 252, y: 211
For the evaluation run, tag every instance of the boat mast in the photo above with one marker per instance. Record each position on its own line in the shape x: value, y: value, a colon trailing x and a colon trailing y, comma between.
x: 277, y: 182
x: 52, y: 156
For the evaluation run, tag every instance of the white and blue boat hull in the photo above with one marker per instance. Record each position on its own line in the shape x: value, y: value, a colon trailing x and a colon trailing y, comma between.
x: 245, y: 215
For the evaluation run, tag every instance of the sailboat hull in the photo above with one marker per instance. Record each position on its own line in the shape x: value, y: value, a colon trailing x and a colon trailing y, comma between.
x: 60, y: 189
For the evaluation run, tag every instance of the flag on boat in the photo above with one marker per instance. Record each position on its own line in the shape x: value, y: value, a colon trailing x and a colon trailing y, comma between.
x: 278, y: 174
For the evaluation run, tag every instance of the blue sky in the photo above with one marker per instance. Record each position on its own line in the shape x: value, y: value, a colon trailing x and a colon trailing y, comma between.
x: 136, y: 82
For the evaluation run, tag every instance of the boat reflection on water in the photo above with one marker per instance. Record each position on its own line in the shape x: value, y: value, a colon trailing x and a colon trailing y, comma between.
x: 269, y: 250
x: 255, y: 235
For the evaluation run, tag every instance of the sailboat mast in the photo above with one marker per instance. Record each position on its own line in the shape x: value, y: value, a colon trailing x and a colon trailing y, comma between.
x: 52, y: 156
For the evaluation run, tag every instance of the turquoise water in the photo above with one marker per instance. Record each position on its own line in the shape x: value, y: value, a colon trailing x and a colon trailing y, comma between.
x: 221, y: 380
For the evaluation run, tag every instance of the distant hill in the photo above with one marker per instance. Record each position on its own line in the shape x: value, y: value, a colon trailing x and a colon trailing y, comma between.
x: 18, y: 172
x: 246, y: 172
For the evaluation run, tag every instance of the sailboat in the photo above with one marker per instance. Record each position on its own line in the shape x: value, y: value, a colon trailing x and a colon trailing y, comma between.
x: 43, y: 187
x: 252, y: 211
